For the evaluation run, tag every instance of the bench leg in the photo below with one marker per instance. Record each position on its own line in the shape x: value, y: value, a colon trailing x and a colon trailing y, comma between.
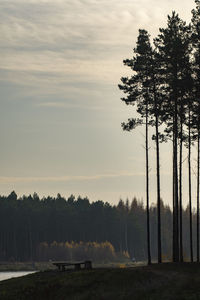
x: 88, y: 265
x: 77, y: 267
x: 63, y: 268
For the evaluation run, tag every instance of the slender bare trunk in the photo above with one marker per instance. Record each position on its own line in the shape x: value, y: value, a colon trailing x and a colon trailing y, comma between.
x: 158, y: 191
x: 198, y: 157
x: 174, y: 217
x: 180, y: 191
x: 180, y: 182
x: 175, y: 187
x: 190, y: 190
x: 157, y: 174
x: 126, y: 235
x: 147, y: 189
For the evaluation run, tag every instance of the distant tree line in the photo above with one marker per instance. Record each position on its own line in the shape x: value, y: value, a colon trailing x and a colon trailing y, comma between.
x: 28, y: 222
x: 165, y: 90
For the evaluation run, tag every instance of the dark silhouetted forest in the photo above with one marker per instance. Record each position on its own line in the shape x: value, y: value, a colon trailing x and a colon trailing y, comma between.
x: 28, y: 221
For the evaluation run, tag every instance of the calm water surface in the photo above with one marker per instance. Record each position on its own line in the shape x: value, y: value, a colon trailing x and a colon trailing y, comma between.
x: 8, y: 275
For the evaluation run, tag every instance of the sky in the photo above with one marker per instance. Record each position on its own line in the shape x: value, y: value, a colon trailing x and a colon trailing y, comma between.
x: 60, y: 119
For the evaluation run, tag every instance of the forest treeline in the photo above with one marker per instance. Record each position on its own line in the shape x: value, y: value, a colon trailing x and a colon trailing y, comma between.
x: 28, y: 222
x: 165, y: 91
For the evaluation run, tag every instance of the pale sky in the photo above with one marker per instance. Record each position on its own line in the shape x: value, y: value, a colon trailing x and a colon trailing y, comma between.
x: 60, y: 119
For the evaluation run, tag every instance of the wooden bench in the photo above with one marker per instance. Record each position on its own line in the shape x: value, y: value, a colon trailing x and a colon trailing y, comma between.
x: 87, y: 265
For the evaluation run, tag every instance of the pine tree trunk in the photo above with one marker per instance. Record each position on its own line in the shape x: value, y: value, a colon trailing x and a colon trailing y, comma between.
x: 198, y: 157
x: 176, y: 203
x: 30, y: 243
x: 174, y: 217
x: 175, y: 182
x: 147, y: 189
x: 180, y: 189
x: 158, y: 191
x: 175, y: 206
x: 157, y: 175
x: 190, y: 191
x: 126, y: 235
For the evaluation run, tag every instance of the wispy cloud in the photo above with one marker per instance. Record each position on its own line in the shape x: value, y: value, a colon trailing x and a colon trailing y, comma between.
x: 12, y: 180
x: 67, y: 105
x: 79, y: 39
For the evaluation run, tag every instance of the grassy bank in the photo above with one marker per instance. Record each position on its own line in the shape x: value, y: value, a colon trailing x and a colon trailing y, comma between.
x: 167, y: 281
x: 25, y: 266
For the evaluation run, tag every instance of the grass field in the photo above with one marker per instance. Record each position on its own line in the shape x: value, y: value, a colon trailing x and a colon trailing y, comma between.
x: 166, y: 281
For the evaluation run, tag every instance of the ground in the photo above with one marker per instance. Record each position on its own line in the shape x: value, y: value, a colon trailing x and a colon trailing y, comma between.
x: 165, y: 281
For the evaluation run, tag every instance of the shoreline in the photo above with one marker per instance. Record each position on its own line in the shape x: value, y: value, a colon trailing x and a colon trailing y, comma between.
x: 25, y: 266
x: 45, y: 266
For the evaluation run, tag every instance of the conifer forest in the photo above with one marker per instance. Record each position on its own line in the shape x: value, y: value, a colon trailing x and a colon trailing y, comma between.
x: 42, y: 229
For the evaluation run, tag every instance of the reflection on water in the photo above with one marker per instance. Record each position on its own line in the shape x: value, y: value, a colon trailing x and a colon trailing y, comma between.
x: 8, y: 275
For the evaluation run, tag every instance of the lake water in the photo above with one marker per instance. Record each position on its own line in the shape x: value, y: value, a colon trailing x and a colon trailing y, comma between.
x: 8, y: 275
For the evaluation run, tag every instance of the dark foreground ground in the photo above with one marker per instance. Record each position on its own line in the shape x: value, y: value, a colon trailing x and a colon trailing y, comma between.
x: 166, y: 281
